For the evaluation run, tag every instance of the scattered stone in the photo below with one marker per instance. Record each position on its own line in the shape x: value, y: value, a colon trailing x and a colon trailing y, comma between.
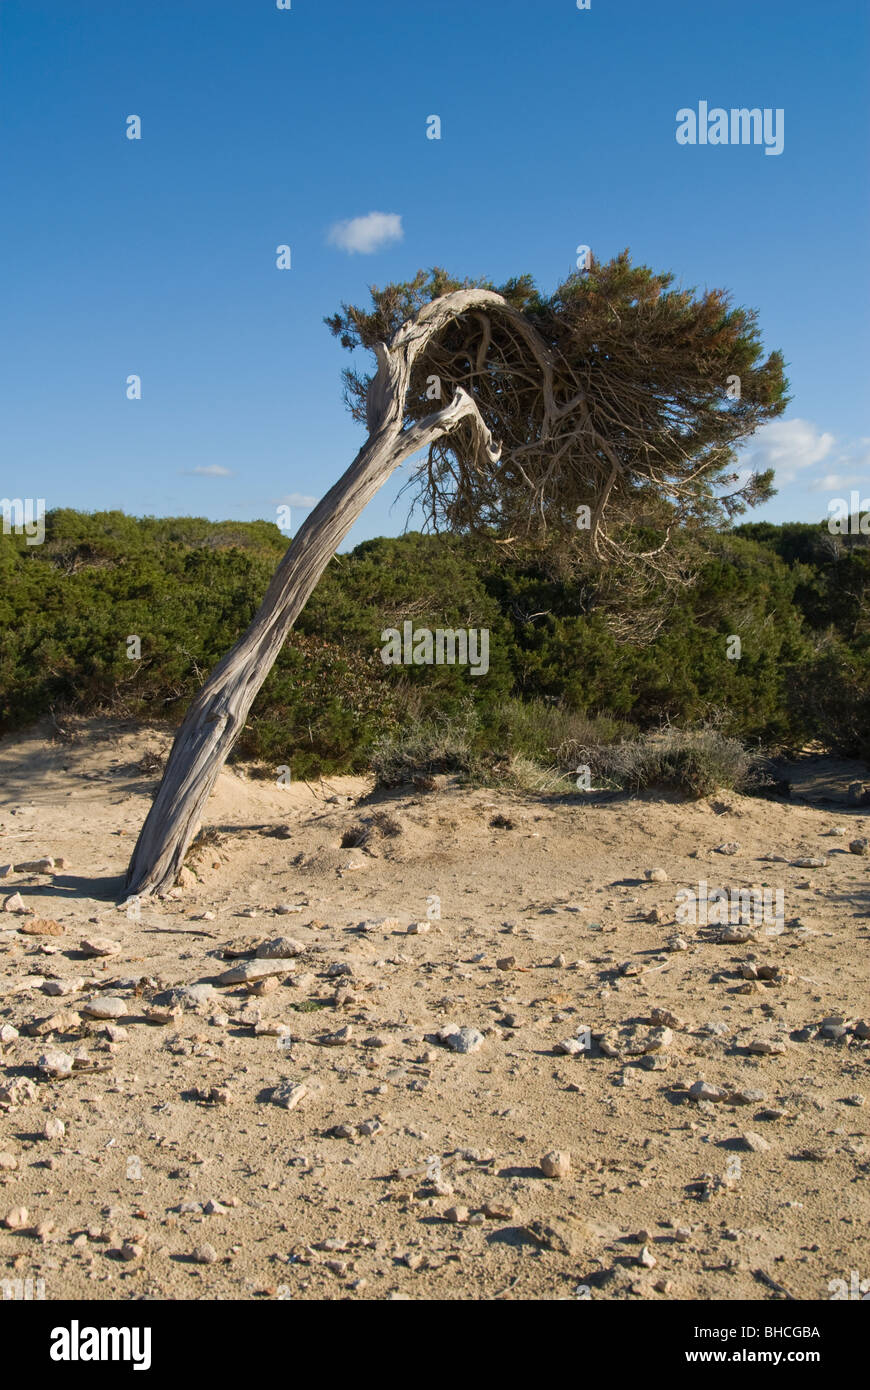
x: 655, y: 875
x: 702, y: 1090
x: 730, y: 847
x: 465, y: 1040
x: 748, y: 1097
x: 766, y: 1047
x: 735, y: 935
x: 755, y: 1143
x: 8, y: 1033
x: 645, y: 1258
x: 204, y: 1255
x: 16, y: 1219
x: 61, y: 987
x: 54, y: 1128
x: 99, y: 946
x: 8, y: 1162
x: 570, y: 1047
x: 15, y: 903
x: 663, y: 1018
x: 344, y: 1035
x: 677, y: 943
x: 18, y: 1090
x: 458, y: 1215
x: 55, y: 1064
x: 506, y: 963
x: 250, y: 970
x: 42, y: 926
x: 499, y: 1211
x: 859, y: 846
x: 418, y: 928
x: 810, y: 862
x: 130, y: 1250
x: 555, y: 1235
x: 280, y: 948
x: 105, y: 1006
x: 288, y: 1094
x: 556, y: 1164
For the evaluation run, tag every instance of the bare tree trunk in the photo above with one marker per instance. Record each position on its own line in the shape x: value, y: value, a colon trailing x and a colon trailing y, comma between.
x: 219, y: 710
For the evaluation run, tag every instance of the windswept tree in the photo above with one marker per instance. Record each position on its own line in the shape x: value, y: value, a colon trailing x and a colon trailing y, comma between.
x: 598, y: 422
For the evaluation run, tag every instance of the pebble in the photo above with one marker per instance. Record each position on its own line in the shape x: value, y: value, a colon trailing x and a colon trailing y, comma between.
x: 55, y: 1064
x: 810, y: 862
x: 570, y: 1047
x: 16, y: 1219
x: 288, y: 1094
x: 459, y: 1215
x: 60, y: 987
x: 556, y: 1164
x: 249, y: 970
x: 204, y: 1255
x: 54, y: 1128
x: 702, y: 1090
x: 106, y: 1006
x: 8, y: 1033
x: 418, y: 928
x: 766, y: 1047
x: 465, y: 1040
x: 730, y: 847
x: 655, y: 875
x: 15, y: 903
x: 99, y: 946
x: 42, y: 926
x: 859, y: 846
x: 506, y: 963
x: 755, y: 1143
x: 280, y: 948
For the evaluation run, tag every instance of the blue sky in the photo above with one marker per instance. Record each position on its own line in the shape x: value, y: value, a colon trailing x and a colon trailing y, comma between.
x: 263, y: 127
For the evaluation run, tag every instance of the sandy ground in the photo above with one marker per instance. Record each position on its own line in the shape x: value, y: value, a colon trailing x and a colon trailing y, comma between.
x: 408, y: 1169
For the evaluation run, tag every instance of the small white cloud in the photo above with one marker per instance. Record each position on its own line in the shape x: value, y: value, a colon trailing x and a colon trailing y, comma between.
x: 366, y: 234
x: 789, y: 446
x: 296, y: 499
x: 211, y: 470
x: 835, y: 482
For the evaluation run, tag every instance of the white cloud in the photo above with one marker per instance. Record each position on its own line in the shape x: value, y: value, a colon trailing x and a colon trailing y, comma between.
x: 296, y: 499
x: 789, y: 446
x: 366, y: 234
x: 212, y: 470
x: 835, y: 482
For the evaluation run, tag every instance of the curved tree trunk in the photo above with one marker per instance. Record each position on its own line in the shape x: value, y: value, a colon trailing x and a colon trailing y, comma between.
x: 219, y: 710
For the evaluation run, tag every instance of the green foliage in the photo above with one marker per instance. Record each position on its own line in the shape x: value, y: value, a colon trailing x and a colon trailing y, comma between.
x: 574, y: 664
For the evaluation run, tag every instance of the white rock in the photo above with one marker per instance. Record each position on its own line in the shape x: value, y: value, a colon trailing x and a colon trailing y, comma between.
x: 54, y: 1128
x: 55, y: 1063
x: 105, y: 1006
x: 280, y: 948
x: 465, y: 1040
x: 248, y: 970
x: 556, y: 1164
x: 289, y: 1094
x: 99, y: 946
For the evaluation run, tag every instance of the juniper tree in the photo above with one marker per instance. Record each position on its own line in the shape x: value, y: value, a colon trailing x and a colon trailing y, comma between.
x: 617, y: 401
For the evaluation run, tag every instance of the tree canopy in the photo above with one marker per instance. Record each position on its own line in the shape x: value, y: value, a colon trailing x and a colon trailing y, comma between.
x: 610, y: 394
